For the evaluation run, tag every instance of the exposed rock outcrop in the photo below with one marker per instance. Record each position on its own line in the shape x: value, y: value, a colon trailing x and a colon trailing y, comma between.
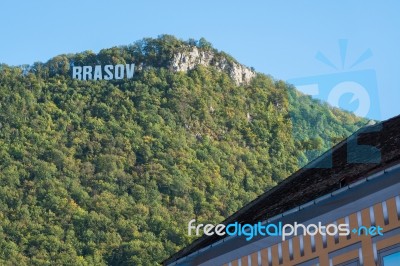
x: 187, y: 60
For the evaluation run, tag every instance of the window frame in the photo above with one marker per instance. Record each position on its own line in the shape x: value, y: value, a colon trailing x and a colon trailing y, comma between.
x: 352, y: 262
x: 386, y: 252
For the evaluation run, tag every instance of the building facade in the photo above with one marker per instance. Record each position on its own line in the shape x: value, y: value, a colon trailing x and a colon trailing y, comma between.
x: 361, y: 189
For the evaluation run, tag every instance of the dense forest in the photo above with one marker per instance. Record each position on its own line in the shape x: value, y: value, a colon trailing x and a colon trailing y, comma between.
x: 110, y: 172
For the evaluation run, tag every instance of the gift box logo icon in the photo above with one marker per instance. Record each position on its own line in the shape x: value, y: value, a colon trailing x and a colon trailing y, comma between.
x: 352, y: 90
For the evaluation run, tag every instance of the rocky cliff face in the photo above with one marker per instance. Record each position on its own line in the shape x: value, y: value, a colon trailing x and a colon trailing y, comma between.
x: 184, y: 61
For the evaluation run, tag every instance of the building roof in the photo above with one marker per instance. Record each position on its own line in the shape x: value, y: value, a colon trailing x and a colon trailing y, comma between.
x: 369, y: 150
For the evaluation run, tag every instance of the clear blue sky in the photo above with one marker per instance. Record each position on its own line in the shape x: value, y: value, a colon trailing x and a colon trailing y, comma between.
x: 280, y: 38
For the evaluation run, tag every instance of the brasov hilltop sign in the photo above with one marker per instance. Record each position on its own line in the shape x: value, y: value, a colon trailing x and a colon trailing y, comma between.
x: 108, y: 72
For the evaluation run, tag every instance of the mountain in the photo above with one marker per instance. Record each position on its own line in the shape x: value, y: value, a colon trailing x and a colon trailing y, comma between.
x: 109, y: 172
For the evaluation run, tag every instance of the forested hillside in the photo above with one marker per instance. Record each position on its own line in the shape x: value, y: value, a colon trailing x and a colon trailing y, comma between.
x: 110, y: 172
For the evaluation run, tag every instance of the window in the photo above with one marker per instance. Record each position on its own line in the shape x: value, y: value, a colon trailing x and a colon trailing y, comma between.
x: 354, y: 262
x: 390, y: 256
x: 312, y: 262
x: 392, y: 259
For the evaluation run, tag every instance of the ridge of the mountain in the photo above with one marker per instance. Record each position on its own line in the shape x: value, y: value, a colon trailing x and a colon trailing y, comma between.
x: 163, y: 52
